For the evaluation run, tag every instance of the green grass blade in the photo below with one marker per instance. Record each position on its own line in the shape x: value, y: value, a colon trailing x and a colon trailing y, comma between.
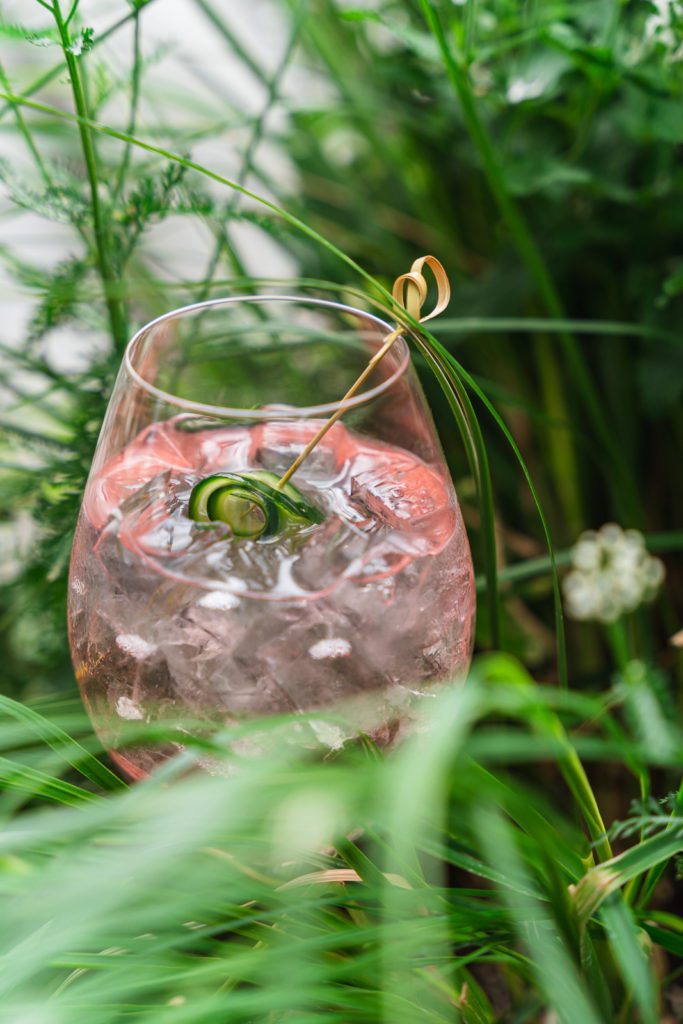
x: 636, y: 970
x: 531, y: 325
x: 68, y: 749
x: 39, y: 784
x: 557, y: 597
x: 556, y: 975
x: 672, y: 942
x: 605, y: 879
x: 470, y: 432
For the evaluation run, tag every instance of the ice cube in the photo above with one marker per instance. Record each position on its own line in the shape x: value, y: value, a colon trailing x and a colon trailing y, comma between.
x: 334, y: 647
x: 136, y: 646
x: 128, y: 709
x: 219, y: 600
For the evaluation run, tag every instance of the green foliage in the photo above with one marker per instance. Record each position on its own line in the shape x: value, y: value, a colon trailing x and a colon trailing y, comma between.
x: 261, y: 903
x: 491, y: 868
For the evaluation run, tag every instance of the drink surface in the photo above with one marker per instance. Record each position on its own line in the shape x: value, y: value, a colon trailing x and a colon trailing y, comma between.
x: 180, y: 621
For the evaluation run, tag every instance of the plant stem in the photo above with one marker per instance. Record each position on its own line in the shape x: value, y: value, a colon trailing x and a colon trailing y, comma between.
x: 115, y: 310
x: 134, y: 101
x: 32, y: 147
x: 23, y: 128
x: 74, y: 8
x: 532, y: 567
x: 247, y: 164
x: 236, y: 47
x: 561, y: 449
x: 575, y: 776
x: 618, y: 641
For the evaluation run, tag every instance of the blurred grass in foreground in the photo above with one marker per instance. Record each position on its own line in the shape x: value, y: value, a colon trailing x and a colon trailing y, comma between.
x: 429, y: 885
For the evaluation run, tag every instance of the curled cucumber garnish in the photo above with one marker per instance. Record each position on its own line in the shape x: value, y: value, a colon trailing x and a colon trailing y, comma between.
x: 251, y: 504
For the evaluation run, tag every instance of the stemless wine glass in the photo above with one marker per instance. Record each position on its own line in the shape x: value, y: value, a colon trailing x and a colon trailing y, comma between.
x: 173, y: 620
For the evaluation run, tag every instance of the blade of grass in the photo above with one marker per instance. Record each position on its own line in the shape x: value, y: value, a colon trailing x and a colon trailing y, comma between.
x: 605, y: 879
x: 556, y: 975
x: 559, y: 618
x: 656, y: 871
x: 636, y: 970
x: 502, y: 668
x: 39, y: 784
x: 136, y: 76
x: 530, y: 325
x: 470, y: 432
x: 58, y: 740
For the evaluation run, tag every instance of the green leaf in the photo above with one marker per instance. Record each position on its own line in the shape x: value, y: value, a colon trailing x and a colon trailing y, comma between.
x: 672, y: 942
x: 37, y: 37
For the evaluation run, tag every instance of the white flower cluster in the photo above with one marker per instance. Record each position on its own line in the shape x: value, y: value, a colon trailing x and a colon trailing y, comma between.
x: 612, y: 573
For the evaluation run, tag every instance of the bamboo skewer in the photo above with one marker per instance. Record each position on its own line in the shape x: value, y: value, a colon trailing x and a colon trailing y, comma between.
x: 410, y: 291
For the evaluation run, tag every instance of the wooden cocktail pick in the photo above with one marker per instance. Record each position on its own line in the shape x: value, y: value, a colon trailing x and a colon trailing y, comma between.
x: 410, y: 291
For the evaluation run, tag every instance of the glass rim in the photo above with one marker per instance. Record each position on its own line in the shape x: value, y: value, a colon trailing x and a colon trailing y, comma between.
x: 230, y: 412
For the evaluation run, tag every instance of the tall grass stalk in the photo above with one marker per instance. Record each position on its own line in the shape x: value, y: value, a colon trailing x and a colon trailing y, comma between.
x: 102, y: 243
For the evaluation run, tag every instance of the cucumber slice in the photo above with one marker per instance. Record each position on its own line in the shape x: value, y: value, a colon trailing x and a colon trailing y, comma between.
x: 201, y: 493
x: 267, y: 477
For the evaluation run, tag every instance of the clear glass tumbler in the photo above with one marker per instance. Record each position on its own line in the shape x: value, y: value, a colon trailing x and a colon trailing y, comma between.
x: 175, y: 621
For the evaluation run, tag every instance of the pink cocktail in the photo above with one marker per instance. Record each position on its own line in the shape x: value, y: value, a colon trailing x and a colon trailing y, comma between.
x: 181, y: 622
